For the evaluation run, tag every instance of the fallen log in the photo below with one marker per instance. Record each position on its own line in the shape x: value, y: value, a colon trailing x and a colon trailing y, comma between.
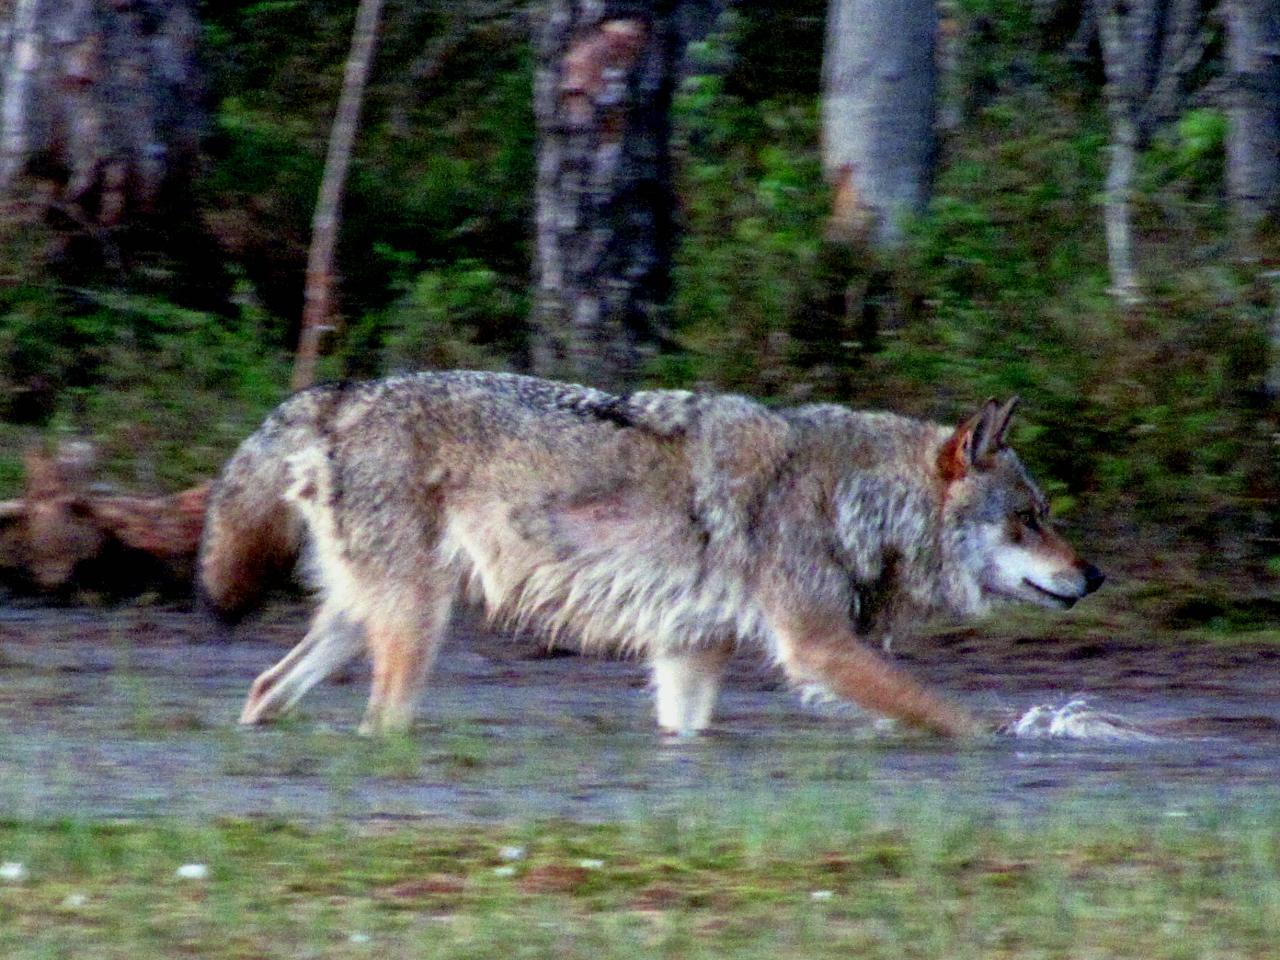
x: 59, y: 534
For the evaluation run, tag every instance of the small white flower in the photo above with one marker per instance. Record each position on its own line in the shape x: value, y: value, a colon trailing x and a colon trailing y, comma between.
x: 511, y: 853
x: 12, y: 872
x: 192, y: 871
x: 75, y: 900
x: 359, y: 938
x: 591, y: 864
x: 821, y: 895
x: 504, y: 871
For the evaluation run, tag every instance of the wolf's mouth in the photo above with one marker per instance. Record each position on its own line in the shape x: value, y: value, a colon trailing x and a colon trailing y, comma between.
x: 1061, y: 599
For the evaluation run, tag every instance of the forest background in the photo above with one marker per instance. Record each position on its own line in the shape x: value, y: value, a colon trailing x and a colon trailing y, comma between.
x: 1150, y: 411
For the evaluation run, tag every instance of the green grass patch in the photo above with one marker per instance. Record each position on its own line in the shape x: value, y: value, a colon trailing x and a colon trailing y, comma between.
x: 807, y: 881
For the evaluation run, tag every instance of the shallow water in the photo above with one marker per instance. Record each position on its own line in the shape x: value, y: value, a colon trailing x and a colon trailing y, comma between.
x: 133, y: 713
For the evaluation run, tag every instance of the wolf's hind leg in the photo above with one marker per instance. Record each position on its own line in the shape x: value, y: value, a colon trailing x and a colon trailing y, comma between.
x: 685, y: 685
x: 404, y: 647
x: 331, y: 642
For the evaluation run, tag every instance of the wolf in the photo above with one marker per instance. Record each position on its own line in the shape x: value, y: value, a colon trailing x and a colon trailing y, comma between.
x: 674, y: 525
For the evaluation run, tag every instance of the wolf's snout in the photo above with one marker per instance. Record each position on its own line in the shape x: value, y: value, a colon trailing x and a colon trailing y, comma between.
x: 1093, y: 578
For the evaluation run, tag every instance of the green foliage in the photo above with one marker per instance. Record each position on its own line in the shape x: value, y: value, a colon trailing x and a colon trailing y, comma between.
x: 166, y: 392
x: 1181, y: 179
x: 753, y: 270
x: 1148, y: 416
x: 1199, y: 143
x: 453, y: 317
x: 1146, y: 410
x: 35, y: 355
x: 176, y: 389
x: 442, y: 165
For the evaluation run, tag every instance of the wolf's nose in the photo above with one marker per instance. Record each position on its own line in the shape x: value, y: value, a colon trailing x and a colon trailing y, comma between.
x: 1093, y: 578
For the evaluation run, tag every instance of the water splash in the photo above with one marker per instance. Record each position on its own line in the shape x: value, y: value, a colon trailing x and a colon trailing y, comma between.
x: 1075, y: 720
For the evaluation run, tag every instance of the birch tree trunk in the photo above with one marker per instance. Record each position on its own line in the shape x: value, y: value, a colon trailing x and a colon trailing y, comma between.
x: 101, y: 115
x: 1121, y: 95
x: 22, y: 56
x: 880, y: 88
x: 1186, y: 39
x: 1253, y: 144
x: 602, y: 98
x: 317, y: 309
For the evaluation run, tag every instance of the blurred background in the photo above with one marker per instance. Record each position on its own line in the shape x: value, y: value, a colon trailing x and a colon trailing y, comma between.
x: 886, y: 203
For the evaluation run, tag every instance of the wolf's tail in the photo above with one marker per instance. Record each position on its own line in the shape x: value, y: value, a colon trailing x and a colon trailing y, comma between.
x: 252, y: 534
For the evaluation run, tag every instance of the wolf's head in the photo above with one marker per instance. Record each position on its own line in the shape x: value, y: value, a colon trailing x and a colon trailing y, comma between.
x: 997, y: 541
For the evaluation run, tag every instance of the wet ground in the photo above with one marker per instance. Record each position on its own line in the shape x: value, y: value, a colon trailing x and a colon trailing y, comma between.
x: 132, y: 713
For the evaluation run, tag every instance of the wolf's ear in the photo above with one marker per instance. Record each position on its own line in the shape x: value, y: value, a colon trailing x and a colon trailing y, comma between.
x: 1000, y: 427
x: 974, y: 442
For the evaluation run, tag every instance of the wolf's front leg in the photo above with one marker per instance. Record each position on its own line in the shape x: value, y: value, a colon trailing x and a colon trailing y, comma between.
x: 685, y: 684
x: 824, y: 652
x: 331, y: 642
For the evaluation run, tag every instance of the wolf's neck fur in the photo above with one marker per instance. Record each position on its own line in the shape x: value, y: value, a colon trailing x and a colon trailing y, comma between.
x: 890, y: 521
x: 887, y: 519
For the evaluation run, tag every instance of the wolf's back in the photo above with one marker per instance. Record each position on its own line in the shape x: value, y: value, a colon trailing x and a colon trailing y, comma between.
x: 251, y: 534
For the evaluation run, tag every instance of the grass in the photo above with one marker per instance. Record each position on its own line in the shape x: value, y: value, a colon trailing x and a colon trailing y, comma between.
x: 815, y: 881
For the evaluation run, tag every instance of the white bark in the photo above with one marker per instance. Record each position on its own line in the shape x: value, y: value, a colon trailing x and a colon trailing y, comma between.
x: 1117, y: 51
x: 1186, y: 38
x: 880, y: 80
x: 1253, y: 145
x: 23, y: 56
x: 101, y: 102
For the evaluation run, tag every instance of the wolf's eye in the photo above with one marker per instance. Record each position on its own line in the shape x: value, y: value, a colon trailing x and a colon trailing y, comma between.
x: 1028, y: 519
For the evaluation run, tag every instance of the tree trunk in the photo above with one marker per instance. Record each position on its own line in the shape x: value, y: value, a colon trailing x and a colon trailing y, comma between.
x: 317, y: 309
x: 22, y: 56
x: 880, y: 92
x: 318, y: 293
x: 101, y: 109
x: 605, y: 202
x: 1142, y: 35
x: 1119, y: 53
x: 1186, y: 40
x: 1253, y: 145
